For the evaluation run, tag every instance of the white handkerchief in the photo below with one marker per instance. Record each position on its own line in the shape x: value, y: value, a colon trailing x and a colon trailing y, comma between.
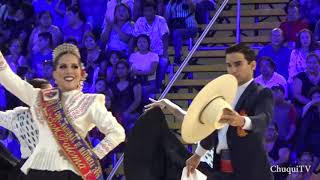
x: 197, y: 175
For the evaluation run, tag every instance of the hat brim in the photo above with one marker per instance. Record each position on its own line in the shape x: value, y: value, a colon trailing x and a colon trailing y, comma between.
x: 192, y: 129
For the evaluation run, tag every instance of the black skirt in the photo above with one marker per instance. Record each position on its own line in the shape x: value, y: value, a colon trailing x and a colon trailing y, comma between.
x: 52, y: 175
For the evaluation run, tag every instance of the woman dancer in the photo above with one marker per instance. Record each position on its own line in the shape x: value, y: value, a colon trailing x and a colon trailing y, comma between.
x: 64, y: 115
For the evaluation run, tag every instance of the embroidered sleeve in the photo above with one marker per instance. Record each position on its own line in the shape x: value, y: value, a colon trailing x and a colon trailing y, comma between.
x: 6, y: 119
x: 108, y: 125
x: 20, y: 88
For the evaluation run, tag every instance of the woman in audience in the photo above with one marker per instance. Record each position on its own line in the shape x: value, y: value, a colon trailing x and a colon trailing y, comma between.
x: 309, y: 135
x: 61, y: 143
x: 113, y: 60
x: 15, y: 57
x: 304, y: 81
x: 278, y: 152
x: 75, y: 26
x: 127, y: 96
x: 179, y: 14
x: 117, y: 35
x: 45, y: 25
x: 304, y: 45
x: 91, y: 55
x: 144, y: 66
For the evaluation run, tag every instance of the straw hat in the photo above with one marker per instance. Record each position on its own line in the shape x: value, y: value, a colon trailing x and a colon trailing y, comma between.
x: 206, y: 108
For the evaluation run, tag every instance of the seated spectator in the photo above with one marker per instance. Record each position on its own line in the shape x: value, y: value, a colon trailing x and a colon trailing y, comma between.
x: 45, y: 25
x: 75, y: 26
x: 117, y: 35
x: 127, y: 97
x: 305, y: 45
x: 44, y: 53
x: 269, y: 77
x: 111, y: 67
x: 293, y: 25
x: 284, y: 115
x: 305, y: 81
x: 57, y: 9
x: 203, y: 9
x: 278, y: 151
x: 156, y: 28
x: 305, y: 160
x: 47, y: 71
x: 144, y: 65
x: 91, y: 55
x: 309, y: 133
x: 276, y: 51
x: 15, y: 57
x: 179, y: 14
x: 111, y: 5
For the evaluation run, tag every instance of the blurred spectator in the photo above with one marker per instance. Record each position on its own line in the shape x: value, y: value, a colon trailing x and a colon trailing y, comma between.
x: 47, y: 71
x: 117, y: 35
x: 113, y: 60
x: 293, y: 25
x: 269, y: 77
x: 75, y: 26
x: 179, y: 14
x: 91, y: 55
x: 305, y: 160
x: 277, y: 51
x: 305, y: 44
x: 140, y: 4
x: 144, y: 65
x: 156, y: 28
x: 278, y: 151
x: 309, y: 133
x: 43, y: 53
x: 127, y: 97
x: 45, y: 25
x: 305, y: 81
x: 110, y: 11
x: 94, y: 12
x: 284, y: 115
x: 15, y: 57
x: 310, y: 10
x: 54, y: 7
x: 202, y: 12
x: 10, y: 142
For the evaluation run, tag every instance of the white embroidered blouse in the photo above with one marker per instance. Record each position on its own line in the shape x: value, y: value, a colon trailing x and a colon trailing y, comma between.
x: 85, y: 112
x: 19, y: 122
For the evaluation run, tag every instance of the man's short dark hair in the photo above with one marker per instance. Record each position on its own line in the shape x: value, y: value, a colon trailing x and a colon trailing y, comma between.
x: 150, y: 4
x: 248, y: 53
x: 39, y: 83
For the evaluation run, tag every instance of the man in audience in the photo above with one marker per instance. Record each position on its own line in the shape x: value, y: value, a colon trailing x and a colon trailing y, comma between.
x: 284, y: 115
x: 277, y: 51
x: 43, y: 53
x: 156, y: 28
x: 269, y: 77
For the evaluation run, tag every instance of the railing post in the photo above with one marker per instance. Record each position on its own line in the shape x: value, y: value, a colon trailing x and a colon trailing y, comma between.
x: 238, y: 40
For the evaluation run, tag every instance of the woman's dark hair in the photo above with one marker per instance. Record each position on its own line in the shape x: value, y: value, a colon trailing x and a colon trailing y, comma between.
x: 76, y: 10
x: 127, y: 8
x: 312, y: 41
x: 44, y: 13
x: 146, y: 37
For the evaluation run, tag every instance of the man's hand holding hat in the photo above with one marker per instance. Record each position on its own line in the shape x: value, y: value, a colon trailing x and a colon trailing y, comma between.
x: 232, y: 117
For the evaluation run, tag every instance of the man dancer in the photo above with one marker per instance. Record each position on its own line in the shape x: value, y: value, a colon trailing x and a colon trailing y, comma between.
x: 239, y: 151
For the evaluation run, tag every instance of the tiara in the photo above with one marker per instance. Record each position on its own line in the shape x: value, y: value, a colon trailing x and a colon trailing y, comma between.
x: 65, y: 48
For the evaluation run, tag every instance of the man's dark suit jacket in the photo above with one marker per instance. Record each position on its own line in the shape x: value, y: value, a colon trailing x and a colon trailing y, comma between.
x: 248, y: 156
